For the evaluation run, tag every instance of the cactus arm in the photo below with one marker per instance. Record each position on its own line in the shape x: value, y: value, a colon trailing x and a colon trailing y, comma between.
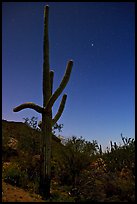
x: 59, y: 113
x: 61, y: 87
x: 28, y: 105
x: 60, y: 110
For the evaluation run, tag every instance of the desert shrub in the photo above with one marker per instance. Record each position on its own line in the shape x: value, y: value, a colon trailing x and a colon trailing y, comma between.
x: 121, y: 156
x: 97, y: 185
x: 91, y: 184
x: 13, y: 175
x: 30, y: 164
x: 74, y: 157
x: 8, y: 154
x: 33, y: 186
x: 26, y: 176
x: 60, y: 196
x: 107, y: 180
x: 33, y: 123
x: 30, y: 142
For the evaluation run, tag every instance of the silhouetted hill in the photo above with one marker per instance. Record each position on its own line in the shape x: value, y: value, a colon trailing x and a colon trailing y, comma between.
x: 17, y: 136
x: 18, y: 129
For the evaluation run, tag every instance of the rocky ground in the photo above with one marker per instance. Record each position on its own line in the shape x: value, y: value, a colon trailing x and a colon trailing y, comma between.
x: 14, y: 194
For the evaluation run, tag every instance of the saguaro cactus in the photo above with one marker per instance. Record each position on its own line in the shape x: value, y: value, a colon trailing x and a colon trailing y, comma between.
x: 49, y: 99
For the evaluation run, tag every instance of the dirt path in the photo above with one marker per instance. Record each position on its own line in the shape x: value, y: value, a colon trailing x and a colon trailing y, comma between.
x: 14, y: 194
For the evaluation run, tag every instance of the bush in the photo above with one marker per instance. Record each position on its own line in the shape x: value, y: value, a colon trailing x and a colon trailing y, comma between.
x: 121, y: 156
x: 109, y: 178
x: 74, y: 157
x: 13, y: 175
x: 29, y: 164
x: 100, y: 186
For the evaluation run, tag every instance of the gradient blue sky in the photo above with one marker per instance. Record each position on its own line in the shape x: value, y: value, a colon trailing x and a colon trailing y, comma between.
x: 100, y: 38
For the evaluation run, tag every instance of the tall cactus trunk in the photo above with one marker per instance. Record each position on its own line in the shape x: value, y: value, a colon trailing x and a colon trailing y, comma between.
x: 46, y: 111
x: 46, y: 134
x: 45, y: 158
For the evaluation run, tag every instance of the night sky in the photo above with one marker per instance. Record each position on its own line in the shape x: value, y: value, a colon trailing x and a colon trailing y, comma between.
x: 100, y: 38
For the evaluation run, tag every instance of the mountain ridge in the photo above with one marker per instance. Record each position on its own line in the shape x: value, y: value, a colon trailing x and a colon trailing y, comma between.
x: 14, y: 127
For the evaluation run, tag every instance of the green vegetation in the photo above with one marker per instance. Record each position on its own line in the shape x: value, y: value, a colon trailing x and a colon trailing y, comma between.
x: 80, y: 172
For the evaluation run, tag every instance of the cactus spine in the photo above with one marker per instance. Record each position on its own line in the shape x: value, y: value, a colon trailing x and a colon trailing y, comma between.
x: 49, y: 99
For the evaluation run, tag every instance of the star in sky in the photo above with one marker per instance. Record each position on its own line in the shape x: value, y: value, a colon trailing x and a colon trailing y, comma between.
x: 92, y: 44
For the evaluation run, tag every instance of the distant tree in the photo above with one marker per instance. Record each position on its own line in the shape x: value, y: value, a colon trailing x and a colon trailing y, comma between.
x: 33, y: 123
x: 57, y: 127
x: 76, y: 156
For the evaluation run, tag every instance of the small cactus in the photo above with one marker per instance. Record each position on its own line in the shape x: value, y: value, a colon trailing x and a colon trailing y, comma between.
x: 100, y: 150
x: 49, y: 99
